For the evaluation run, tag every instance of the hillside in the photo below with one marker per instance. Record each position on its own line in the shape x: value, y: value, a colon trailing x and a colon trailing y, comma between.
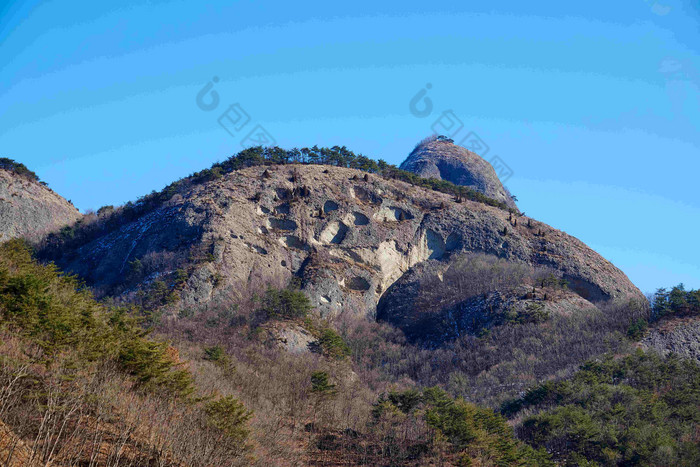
x: 28, y: 208
x: 83, y: 385
x: 321, y: 308
x: 364, y: 241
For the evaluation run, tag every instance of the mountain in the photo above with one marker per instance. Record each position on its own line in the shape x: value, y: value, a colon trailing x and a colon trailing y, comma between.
x: 315, y: 307
x: 27, y: 207
x: 347, y: 235
x: 438, y: 157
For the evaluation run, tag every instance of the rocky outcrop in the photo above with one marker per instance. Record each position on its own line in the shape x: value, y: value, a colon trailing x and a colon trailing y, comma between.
x: 444, y: 160
x: 348, y: 239
x: 291, y: 337
x: 680, y: 336
x: 31, y: 210
x: 438, y: 301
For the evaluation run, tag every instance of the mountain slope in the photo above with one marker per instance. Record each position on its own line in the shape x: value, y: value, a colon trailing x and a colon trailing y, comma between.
x: 29, y: 209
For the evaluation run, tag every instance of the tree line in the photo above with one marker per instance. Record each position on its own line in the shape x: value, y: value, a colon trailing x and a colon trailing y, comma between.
x: 19, y: 169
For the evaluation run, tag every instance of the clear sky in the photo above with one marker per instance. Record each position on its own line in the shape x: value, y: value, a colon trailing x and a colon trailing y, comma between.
x: 594, y: 106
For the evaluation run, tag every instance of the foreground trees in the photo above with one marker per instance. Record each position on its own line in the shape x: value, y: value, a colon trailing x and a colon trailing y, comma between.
x: 642, y: 409
x: 82, y: 383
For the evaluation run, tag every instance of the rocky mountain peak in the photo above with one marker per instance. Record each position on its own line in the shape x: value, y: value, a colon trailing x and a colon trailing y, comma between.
x: 438, y: 157
x: 348, y: 236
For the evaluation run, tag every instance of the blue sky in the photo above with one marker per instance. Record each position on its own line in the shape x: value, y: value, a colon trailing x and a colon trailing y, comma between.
x: 594, y: 106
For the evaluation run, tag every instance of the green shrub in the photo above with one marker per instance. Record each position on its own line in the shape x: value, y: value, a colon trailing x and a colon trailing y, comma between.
x: 552, y: 281
x: 471, y: 432
x: 154, y: 367
x: 214, y: 354
x: 405, y: 401
x: 181, y: 277
x: 57, y: 313
x: 320, y: 383
x: 332, y: 344
x: 534, y: 312
x: 157, y: 294
x: 642, y: 409
x: 637, y: 329
x: 285, y: 304
x: 230, y: 417
x: 135, y: 271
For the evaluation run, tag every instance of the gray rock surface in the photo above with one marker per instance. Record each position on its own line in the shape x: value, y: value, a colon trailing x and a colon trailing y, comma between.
x: 680, y: 336
x: 348, y: 240
x: 447, y: 161
x: 31, y: 210
x: 434, y: 302
x: 291, y: 337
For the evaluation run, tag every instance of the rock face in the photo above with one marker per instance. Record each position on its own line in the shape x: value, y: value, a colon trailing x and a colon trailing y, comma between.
x: 346, y: 238
x: 291, y: 337
x: 680, y: 336
x: 31, y: 210
x: 441, y: 159
x: 438, y: 301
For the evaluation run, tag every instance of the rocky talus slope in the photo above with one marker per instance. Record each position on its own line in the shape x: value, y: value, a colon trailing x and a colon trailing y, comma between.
x: 29, y: 209
x: 348, y: 236
x: 447, y: 161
